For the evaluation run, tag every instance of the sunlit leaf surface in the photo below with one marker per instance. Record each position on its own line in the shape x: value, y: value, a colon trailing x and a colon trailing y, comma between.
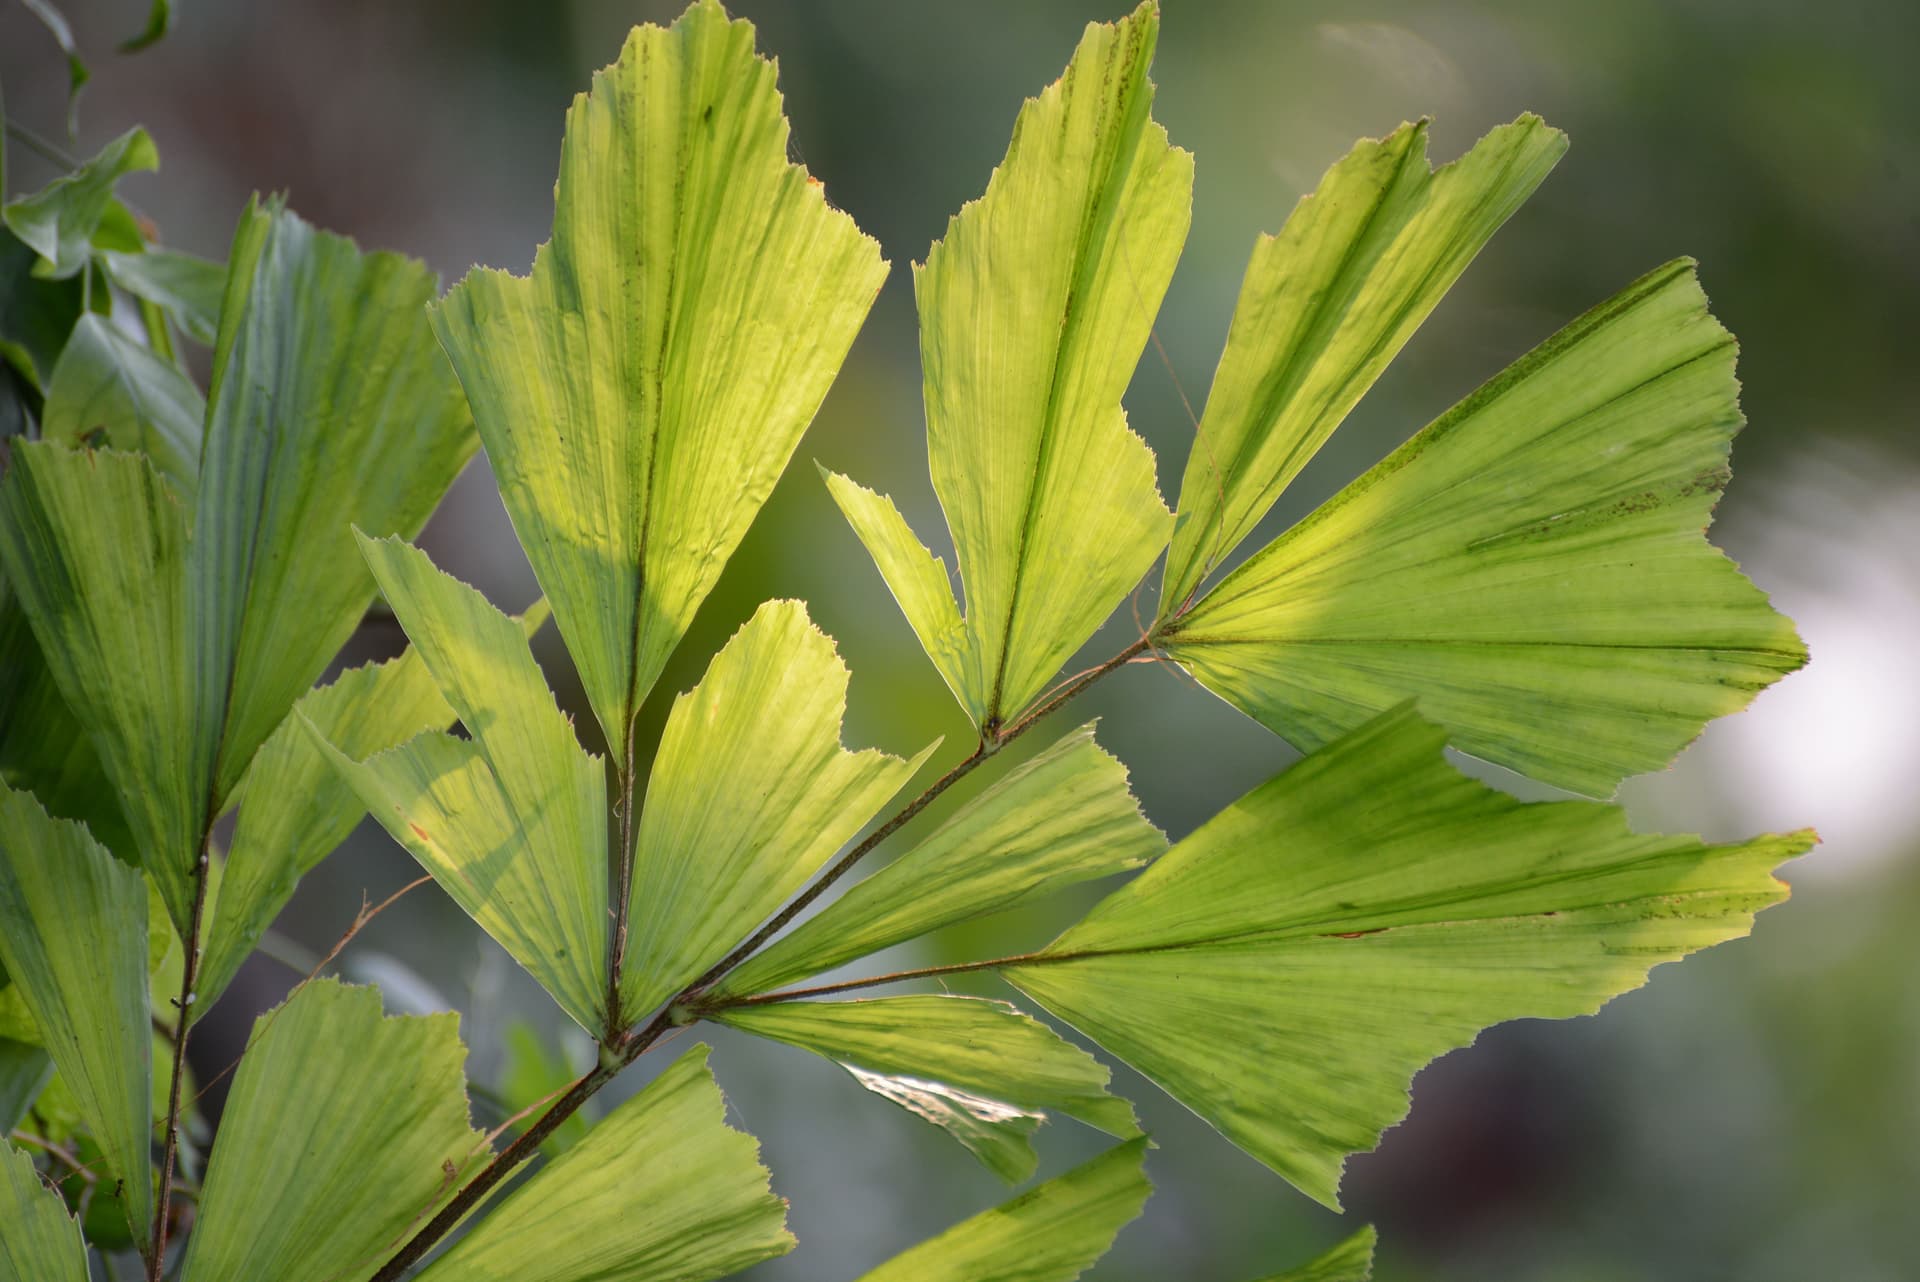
x: 1325, y: 306
x: 1350, y: 1261
x: 1287, y: 969
x: 344, y: 1130
x: 642, y: 390
x: 1034, y: 309
x: 1532, y: 566
x: 73, y: 936
x: 1062, y: 817
x: 980, y: 1069
x: 1048, y: 1234
x: 662, y: 1188
x: 512, y: 822
x: 751, y: 794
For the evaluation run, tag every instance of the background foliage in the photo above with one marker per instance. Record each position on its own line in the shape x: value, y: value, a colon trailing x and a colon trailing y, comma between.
x: 1752, y: 1114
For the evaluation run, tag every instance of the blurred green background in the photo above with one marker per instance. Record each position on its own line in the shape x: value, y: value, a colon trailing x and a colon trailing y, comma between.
x: 1753, y: 1114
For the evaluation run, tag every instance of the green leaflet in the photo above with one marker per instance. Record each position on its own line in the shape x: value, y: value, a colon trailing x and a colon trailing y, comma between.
x: 512, y: 823
x: 1062, y: 817
x: 73, y: 936
x: 1287, y: 969
x: 1325, y: 307
x: 1531, y: 566
x: 94, y: 545
x: 1033, y: 312
x: 751, y: 794
x: 25, y: 1069
x: 329, y: 397
x: 642, y: 390
x: 159, y: 22
x: 663, y: 1188
x: 105, y: 381
x: 1350, y: 1261
x: 979, y: 1069
x: 1048, y: 1234
x: 36, y: 315
x: 344, y: 1128
x: 43, y: 750
x: 42, y: 1242
x: 297, y: 808
x: 59, y: 220
x: 188, y: 288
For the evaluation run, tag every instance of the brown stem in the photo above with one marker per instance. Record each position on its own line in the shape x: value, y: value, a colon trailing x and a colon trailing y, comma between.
x: 189, y: 973
x: 522, y: 1148
x: 988, y: 746
x: 622, y: 891
x: 630, y: 1047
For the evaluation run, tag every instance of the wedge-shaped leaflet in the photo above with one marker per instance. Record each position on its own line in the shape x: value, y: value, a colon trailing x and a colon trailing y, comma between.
x: 511, y: 823
x: 297, y: 808
x: 1033, y: 313
x: 94, y: 545
x: 1350, y: 1261
x: 1364, y: 912
x: 344, y: 1127
x: 1325, y: 307
x: 1052, y: 1233
x: 640, y: 393
x: 184, y: 286
x: 59, y: 220
x: 73, y: 937
x: 662, y: 1188
x: 105, y: 382
x: 979, y: 1069
x: 751, y: 794
x: 1532, y: 566
x: 1062, y: 817
x: 42, y: 1242
x: 331, y: 405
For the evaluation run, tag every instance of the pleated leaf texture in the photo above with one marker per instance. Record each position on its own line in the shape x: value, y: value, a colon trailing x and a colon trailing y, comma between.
x: 179, y: 625
x: 1532, y: 567
x: 1034, y: 309
x: 640, y: 392
x: 1286, y: 969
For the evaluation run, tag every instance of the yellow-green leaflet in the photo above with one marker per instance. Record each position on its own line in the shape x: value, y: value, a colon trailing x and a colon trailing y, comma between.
x: 1325, y: 307
x: 642, y: 390
x: 295, y: 808
x: 1532, y: 566
x: 513, y: 822
x: 73, y: 937
x: 662, y: 1188
x: 751, y: 794
x: 42, y: 1242
x: 94, y: 545
x: 979, y: 1069
x: 1350, y: 1261
x: 1286, y: 969
x: 1062, y: 817
x: 345, y: 1128
x: 1051, y: 1233
x: 1033, y: 312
